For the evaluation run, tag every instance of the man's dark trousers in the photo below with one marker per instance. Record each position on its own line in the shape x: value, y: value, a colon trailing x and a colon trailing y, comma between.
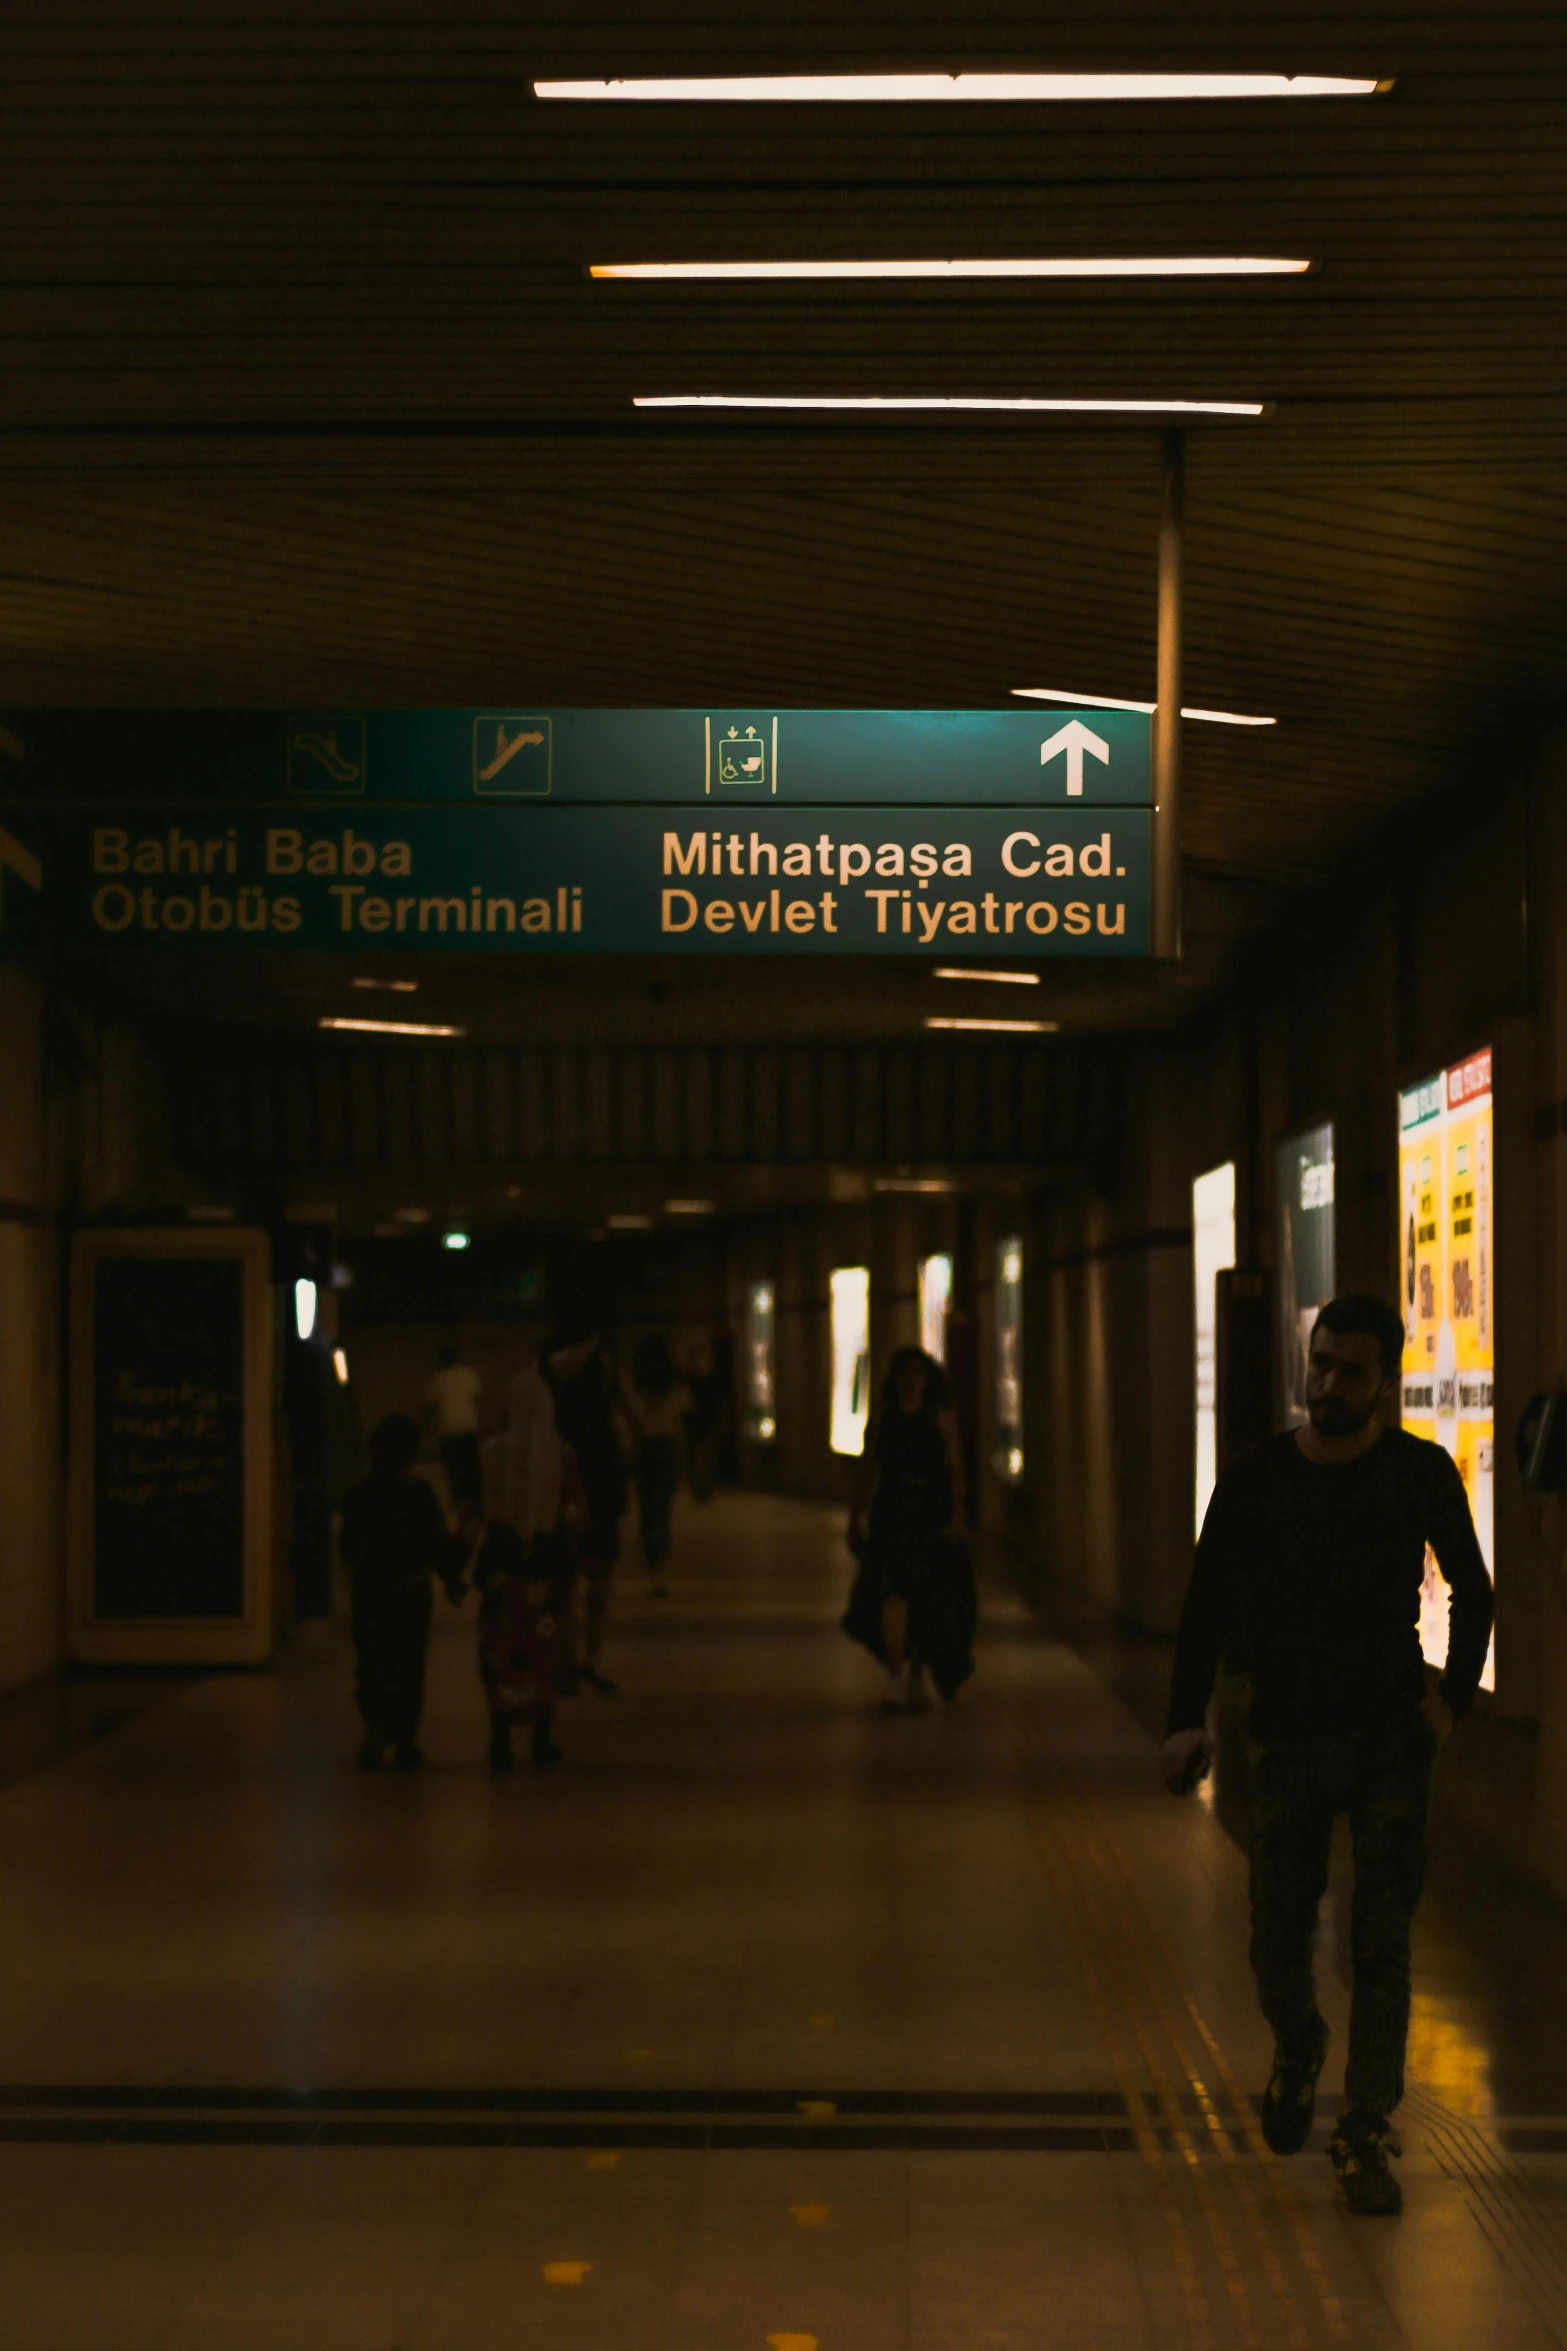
x: 1381, y: 1780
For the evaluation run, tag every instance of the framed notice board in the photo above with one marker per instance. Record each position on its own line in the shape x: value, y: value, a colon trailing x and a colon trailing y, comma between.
x: 171, y: 1470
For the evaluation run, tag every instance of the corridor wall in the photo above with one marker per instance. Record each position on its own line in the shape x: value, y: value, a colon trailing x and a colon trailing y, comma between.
x: 1454, y: 941
x: 31, y: 1603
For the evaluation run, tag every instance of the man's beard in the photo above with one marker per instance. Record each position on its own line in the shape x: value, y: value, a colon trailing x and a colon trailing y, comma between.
x: 1332, y: 1417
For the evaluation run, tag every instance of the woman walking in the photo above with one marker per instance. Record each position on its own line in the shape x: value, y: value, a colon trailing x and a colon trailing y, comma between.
x: 913, y: 1603
x: 524, y: 1572
x: 659, y: 1401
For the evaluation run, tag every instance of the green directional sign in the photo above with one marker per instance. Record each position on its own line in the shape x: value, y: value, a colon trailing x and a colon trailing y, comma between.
x: 748, y: 759
x: 494, y: 878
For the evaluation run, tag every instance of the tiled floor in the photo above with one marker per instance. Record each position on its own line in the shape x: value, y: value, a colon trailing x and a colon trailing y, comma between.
x: 766, y: 2021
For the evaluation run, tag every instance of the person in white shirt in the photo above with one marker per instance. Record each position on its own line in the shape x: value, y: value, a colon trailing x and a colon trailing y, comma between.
x: 454, y: 1400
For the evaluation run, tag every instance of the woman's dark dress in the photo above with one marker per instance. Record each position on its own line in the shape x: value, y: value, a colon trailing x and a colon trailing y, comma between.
x: 909, y: 1554
x: 394, y: 1539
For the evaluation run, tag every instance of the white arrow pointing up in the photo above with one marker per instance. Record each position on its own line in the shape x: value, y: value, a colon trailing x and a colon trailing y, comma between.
x: 1074, y: 739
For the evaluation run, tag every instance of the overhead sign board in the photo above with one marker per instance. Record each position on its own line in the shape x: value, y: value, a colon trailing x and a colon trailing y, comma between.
x: 853, y: 758
x: 795, y: 831
x: 1049, y: 881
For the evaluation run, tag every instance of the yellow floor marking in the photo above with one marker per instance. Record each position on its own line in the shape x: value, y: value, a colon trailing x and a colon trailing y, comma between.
x: 1146, y: 1925
x: 566, y: 2273
x: 603, y: 2159
x: 792, y: 2343
x: 817, y: 2108
x: 1199, y: 2314
x: 821, y: 2024
x: 812, y: 2216
x: 1086, y: 1869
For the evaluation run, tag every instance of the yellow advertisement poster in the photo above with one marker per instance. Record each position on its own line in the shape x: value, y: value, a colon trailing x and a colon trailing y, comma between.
x: 1445, y: 1249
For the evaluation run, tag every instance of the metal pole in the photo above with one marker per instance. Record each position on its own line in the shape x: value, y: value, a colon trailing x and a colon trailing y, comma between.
x: 1167, y: 713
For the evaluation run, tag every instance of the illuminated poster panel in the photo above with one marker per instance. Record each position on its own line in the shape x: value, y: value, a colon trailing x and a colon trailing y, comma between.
x: 1303, y: 1182
x: 935, y: 1290
x: 1213, y: 1248
x: 851, y: 1357
x: 1009, y: 1357
x: 1448, y: 1280
x: 761, y: 1389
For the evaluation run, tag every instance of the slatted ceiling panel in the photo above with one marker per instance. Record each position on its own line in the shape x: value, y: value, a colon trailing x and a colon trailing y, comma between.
x: 305, y: 395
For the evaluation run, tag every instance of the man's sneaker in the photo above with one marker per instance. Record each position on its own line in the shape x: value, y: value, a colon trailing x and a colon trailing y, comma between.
x: 1289, y: 2103
x: 1360, y: 2150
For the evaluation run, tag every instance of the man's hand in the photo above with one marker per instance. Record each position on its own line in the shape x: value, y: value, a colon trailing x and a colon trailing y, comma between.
x: 1436, y: 1714
x: 1185, y: 1760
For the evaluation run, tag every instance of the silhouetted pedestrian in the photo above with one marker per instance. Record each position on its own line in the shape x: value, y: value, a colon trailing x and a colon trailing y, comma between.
x: 586, y: 1414
x: 394, y: 1539
x: 913, y: 1604
x: 1309, y: 1572
x: 658, y: 1400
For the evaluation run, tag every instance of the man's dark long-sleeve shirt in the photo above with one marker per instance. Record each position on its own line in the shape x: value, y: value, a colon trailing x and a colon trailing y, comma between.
x: 1308, y: 1577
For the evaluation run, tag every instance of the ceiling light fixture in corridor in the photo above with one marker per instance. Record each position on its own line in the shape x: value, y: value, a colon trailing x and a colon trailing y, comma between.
x: 882, y: 403
x: 1010, y: 1027
x: 393, y: 1028
x: 1107, y: 266
x: 1218, y: 718
x: 1009, y: 979
x: 964, y: 89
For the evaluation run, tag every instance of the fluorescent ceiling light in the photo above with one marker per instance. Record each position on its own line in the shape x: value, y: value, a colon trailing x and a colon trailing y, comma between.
x: 394, y: 1028
x: 881, y: 89
x: 304, y: 1307
x: 1218, y: 718
x: 392, y: 987
x: 1111, y: 266
x: 690, y: 1207
x: 629, y: 1224
x: 879, y: 403
x: 1010, y: 979
x: 1013, y: 1027
x: 455, y: 1239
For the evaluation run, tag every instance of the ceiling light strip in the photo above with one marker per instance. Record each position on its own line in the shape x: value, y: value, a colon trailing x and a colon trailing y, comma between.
x: 924, y: 89
x: 1107, y: 266
x: 1220, y: 718
x: 392, y: 1028
x: 883, y: 404
x: 1008, y: 1027
x: 1010, y: 979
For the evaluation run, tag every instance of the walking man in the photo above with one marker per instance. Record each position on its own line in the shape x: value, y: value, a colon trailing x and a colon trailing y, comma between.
x: 1308, y: 1575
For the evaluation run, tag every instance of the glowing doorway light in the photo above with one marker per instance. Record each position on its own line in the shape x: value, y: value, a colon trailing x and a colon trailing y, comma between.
x: 934, y: 1277
x: 1106, y: 266
x: 1220, y: 718
x: 1213, y: 1249
x: 304, y: 1308
x: 967, y: 89
x: 1008, y: 1361
x: 850, y: 1292
x: 891, y: 404
x: 761, y: 1383
x: 455, y: 1239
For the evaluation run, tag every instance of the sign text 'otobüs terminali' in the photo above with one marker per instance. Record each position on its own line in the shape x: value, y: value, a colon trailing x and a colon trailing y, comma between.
x: 826, y: 832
